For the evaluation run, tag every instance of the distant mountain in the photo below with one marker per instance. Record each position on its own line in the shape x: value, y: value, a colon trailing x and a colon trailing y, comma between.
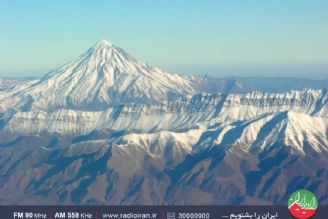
x: 108, y: 129
x: 106, y: 76
x: 276, y: 84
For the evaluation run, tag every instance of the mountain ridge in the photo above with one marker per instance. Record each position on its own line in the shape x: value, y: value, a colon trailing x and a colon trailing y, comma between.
x: 181, y: 113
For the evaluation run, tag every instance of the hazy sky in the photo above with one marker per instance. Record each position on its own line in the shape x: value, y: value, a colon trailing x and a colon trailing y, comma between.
x: 237, y: 37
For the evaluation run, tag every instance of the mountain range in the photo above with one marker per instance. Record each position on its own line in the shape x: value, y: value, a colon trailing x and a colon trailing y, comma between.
x: 108, y: 129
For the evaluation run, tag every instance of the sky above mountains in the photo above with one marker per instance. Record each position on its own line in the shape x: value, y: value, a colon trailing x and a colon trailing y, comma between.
x: 272, y: 37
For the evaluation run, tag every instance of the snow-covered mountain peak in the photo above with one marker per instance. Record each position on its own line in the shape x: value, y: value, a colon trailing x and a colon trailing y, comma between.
x: 102, y: 47
x: 105, y: 48
x: 106, y: 55
x: 103, y: 43
x: 105, y: 76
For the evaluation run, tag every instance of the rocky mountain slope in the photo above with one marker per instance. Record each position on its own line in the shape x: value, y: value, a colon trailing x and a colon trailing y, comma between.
x: 259, y: 161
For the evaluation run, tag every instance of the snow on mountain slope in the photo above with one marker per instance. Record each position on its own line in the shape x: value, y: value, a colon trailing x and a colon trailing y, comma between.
x: 10, y: 86
x: 255, y: 103
x: 9, y: 83
x: 106, y: 76
x: 165, y: 146
x: 181, y: 113
x: 301, y: 132
x: 306, y: 132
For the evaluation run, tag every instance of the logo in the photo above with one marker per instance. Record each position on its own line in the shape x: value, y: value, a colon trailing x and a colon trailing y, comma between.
x: 302, y: 204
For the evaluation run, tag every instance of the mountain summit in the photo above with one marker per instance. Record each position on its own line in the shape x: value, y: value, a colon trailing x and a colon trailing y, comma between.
x: 104, y: 76
x: 103, y: 58
x: 104, y: 43
x: 106, y: 55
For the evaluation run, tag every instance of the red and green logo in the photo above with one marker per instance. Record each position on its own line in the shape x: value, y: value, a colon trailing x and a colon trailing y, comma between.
x: 302, y: 204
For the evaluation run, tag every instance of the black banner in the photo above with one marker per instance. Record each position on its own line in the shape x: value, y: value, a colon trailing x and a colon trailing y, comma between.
x: 151, y: 212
